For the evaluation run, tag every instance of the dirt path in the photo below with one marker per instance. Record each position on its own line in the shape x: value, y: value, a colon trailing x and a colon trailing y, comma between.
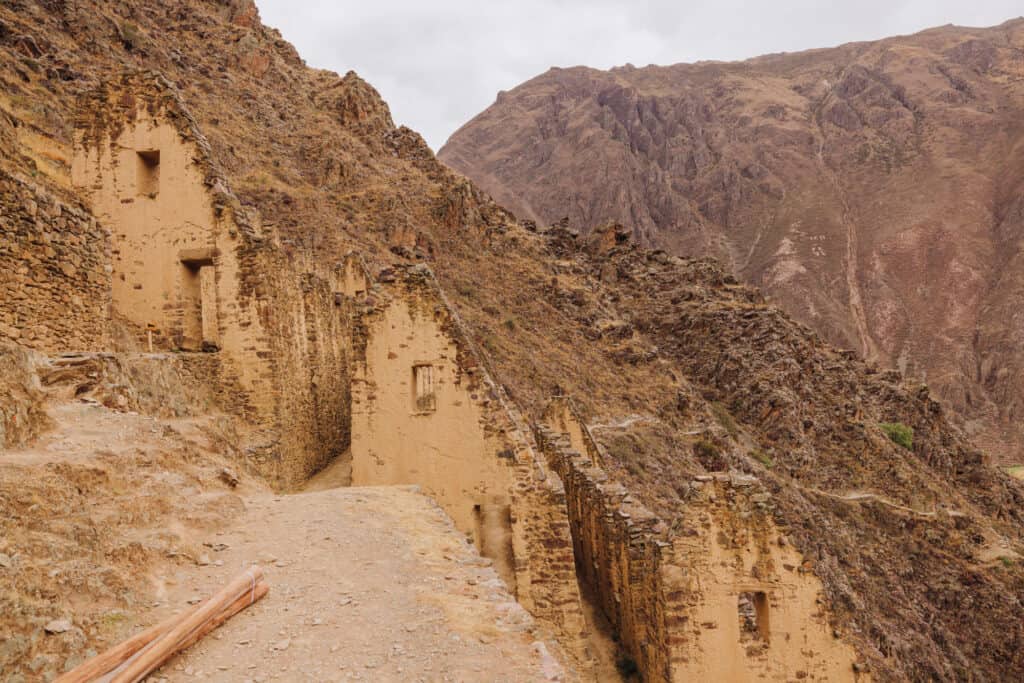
x: 81, y: 430
x: 367, y: 584
x: 127, y: 518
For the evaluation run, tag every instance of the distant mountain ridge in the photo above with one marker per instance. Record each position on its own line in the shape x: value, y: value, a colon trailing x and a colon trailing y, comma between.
x: 696, y: 391
x: 873, y: 190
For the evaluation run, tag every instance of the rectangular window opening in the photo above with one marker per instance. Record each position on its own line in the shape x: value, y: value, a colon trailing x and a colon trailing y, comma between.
x: 424, y: 395
x: 148, y: 173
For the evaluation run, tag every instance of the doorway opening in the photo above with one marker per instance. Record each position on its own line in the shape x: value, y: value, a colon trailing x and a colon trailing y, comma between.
x: 198, y: 302
x: 752, y: 609
x: 492, y: 533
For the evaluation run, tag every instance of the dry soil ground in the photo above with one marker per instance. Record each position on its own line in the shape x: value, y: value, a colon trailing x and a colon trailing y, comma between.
x: 370, y: 584
x: 113, y: 520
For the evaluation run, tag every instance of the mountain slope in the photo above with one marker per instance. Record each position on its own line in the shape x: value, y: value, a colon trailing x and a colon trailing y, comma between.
x: 679, y: 370
x: 873, y: 190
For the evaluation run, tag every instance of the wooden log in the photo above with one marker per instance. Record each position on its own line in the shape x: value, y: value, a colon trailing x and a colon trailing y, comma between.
x: 241, y: 588
x: 237, y: 606
x: 111, y: 660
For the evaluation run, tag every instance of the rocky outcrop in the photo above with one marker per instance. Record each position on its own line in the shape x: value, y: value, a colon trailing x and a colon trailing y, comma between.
x: 870, y: 189
x: 358, y: 107
x: 22, y: 405
x: 680, y: 372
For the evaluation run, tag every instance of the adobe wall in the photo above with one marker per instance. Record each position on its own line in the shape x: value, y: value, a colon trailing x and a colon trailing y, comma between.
x: 725, y: 598
x: 465, y: 446
x: 54, y: 277
x: 145, y: 168
x: 562, y: 416
x: 619, y: 553
x: 310, y: 331
x: 193, y: 270
x: 731, y: 548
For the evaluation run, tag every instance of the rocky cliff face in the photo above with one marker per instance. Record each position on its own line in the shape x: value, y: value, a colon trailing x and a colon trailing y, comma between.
x: 873, y: 190
x: 678, y: 370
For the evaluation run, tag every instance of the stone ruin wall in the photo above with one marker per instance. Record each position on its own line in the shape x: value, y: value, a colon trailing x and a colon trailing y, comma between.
x: 54, y: 270
x: 724, y: 598
x: 439, y: 443
x: 730, y: 556
x: 456, y: 435
x: 310, y: 328
x: 192, y: 270
x: 562, y: 416
x: 618, y: 555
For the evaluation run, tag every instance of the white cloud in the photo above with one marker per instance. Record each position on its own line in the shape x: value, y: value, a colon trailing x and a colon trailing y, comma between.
x: 439, y: 63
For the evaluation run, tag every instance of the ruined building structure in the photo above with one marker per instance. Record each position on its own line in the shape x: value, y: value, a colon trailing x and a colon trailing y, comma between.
x: 191, y: 270
x: 317, y: 362
x: 723, y: 599
x: 377, y: 368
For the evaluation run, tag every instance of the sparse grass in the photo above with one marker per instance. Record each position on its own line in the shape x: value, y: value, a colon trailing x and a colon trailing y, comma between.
x: 635, y: 467
x: 131, y: 36
x: 260, y: 179
x: 1006, y: 560
x: 705, y: 449
x: 725, y: 418
x: 899, y: 433
x: 111, y: 621
x: 1015, y: 471
x: 465, y: 289
x: 489, y: 343
x: 762, y: 458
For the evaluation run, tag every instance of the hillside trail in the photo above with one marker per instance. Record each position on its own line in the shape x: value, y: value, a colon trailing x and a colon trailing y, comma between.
x: 997, y: 548
x: 366, y: 584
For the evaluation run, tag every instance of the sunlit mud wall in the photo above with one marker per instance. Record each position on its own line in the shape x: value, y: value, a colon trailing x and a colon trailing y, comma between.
x: 754, y: 610
x: 425, y: 411
x: 54, y: 270
x: 194, y: 271
x: 421, y: 418
x: 170, y: 249
x: 724, y: 599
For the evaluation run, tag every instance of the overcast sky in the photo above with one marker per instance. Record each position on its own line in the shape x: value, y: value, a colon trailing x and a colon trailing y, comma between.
x: 440, y: 62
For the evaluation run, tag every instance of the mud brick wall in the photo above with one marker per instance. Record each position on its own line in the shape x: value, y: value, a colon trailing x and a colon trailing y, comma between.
x: 545, y: 569
x: 619, y: 553
x: 677, y: 603
x: 468, y: 448
x: 194, y: 270
x: 310, y: 339
x: 54, y: 274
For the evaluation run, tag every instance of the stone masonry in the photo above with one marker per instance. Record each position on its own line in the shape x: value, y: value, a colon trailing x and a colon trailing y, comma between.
x: 724, y: 598
x: 54, y: 269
